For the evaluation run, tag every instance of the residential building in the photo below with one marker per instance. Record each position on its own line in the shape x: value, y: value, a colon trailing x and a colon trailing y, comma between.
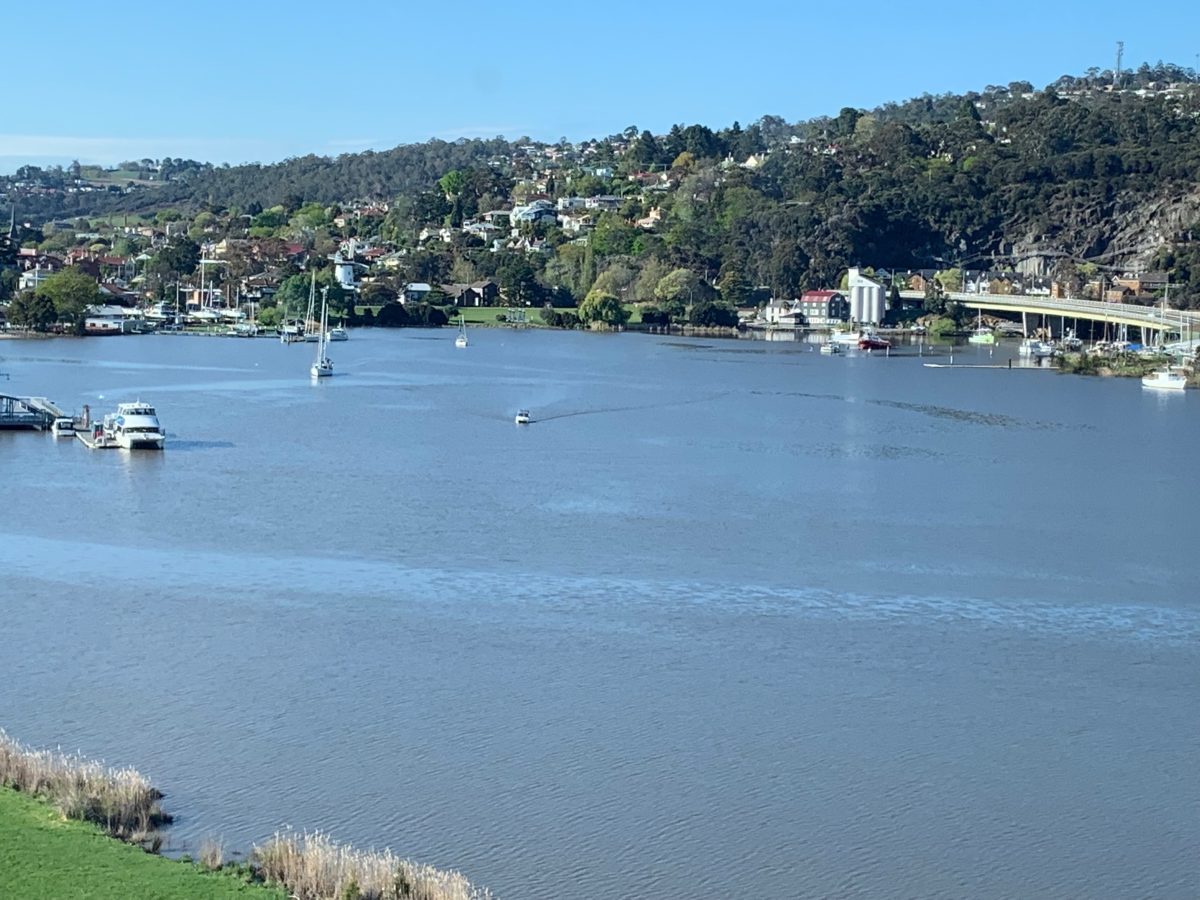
x: 824, y: 309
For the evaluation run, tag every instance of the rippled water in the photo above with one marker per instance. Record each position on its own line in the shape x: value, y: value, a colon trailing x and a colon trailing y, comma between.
x: 730, y: 619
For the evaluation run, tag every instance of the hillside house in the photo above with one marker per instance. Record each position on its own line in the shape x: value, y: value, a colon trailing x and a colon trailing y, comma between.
x: 823, y: 309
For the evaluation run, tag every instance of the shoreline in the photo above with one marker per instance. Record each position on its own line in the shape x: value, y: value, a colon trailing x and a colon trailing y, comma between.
x: 63, y: 817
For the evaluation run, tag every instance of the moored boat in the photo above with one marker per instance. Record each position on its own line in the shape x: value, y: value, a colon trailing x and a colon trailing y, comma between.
x: 1167, y: 379
x: 63, y: 427
x: 982, y: 336
x: 322, y: 366
x: 871, y: 341
x: 845, y: 337
x: 1035, y: 349
x: 135, y: 426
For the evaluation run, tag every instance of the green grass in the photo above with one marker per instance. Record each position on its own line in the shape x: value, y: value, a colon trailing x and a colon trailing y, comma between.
x: 41, y: 855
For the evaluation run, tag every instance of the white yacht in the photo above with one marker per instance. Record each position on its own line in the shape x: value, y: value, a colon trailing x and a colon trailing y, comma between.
x: 337, y: 333
x: 322, y: 366
x: 134, y: 426
x: 461, y: 341
x: 522, y: 417
x: 845, y: 337
x: 830, y: 348
x: 1035, y: 349
x: 1167, y: 379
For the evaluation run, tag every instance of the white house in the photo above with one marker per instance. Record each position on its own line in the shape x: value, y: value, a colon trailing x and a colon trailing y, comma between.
x: 782, y: 313
x: 537, y: 211
x: 603, y: 201
x: 416, y: 291
x: 573, y: 224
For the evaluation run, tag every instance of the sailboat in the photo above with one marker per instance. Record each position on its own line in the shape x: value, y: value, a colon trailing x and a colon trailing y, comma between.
x: 461, y: 341
x: 982, y: 334
x: 310, y: 322
x: 323, y: 365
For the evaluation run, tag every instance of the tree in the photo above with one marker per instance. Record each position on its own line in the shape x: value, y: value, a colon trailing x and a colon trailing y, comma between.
x: 712, y: 314
x: 518, y: 280
x: 71, y: 291
x: 679, y: 289
x: 603, y: 308
x: 452, y: 183
x: 9, y: 279
x: 733, y: 284
x: 178, y: 258
x: 34, y: 311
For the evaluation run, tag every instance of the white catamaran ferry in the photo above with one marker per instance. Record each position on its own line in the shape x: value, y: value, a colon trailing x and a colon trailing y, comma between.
x: 134, y: 426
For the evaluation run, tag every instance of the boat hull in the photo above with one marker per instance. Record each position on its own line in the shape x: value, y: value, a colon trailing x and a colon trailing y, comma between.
x: 1160, y: 385
x: 129, y: 442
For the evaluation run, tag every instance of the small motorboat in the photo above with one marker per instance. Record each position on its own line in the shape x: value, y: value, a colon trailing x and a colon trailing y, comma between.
x: 829, y: 348
x: 522, y: 417
x: 63, y: 427
x: 872, y: 342
x: 337, y: 333
x: 1167, y: 379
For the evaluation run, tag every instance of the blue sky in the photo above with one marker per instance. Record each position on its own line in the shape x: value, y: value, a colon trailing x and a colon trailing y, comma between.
x: 261, y: 80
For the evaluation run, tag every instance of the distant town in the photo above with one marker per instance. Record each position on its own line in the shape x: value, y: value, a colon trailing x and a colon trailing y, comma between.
x: 701, y: 228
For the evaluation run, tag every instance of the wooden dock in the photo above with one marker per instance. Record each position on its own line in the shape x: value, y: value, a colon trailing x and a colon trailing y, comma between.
x: 96, y: 439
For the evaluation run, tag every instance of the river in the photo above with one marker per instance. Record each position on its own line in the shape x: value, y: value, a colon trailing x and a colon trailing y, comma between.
x: 730, y: 618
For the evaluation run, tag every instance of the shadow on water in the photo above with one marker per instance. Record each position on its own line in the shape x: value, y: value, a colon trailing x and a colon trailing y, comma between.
x: 938, y: 412
x: 188, y: 446
x: 966, y: 415
x: 615, y: 409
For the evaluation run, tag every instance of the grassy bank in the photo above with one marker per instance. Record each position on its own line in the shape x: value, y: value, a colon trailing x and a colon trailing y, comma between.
x: 74, y: 827
x: 1119, y: 365
x: 44, y: 855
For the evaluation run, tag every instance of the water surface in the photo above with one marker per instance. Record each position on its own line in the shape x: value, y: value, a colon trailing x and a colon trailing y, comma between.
x: 729, y: 619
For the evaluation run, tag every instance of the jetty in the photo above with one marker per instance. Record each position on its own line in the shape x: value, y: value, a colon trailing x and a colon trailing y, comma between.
x: 30, y: 413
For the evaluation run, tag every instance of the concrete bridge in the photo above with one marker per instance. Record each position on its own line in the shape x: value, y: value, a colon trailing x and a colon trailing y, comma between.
x: 1148, y: 318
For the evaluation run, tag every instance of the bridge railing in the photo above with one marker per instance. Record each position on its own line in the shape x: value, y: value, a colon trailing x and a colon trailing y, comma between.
x: 1150, y: 315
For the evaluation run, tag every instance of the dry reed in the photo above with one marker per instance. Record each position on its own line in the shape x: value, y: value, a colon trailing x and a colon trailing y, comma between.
x: 314, y: 867
x: 211, y: 855
x: 121, y: 801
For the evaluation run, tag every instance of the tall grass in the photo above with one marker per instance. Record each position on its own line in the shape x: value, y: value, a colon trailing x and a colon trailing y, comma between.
x: 121, y: 801
x: 314, y: 867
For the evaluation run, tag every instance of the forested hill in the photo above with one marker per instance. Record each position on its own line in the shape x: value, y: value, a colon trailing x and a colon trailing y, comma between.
x: 1079, y: 169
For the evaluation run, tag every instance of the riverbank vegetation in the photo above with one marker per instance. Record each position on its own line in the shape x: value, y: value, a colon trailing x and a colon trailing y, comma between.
x: 1119, y: 365
x: 314, y: 867
x: 74, y: 827
x: 120, y: 801
x: 43, y: 855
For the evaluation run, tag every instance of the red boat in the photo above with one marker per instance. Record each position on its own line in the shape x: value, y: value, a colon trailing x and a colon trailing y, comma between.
x: 872, y: 342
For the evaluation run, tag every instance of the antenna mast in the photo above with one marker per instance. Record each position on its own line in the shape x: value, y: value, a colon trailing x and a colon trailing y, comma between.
x: 1117, y: 73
